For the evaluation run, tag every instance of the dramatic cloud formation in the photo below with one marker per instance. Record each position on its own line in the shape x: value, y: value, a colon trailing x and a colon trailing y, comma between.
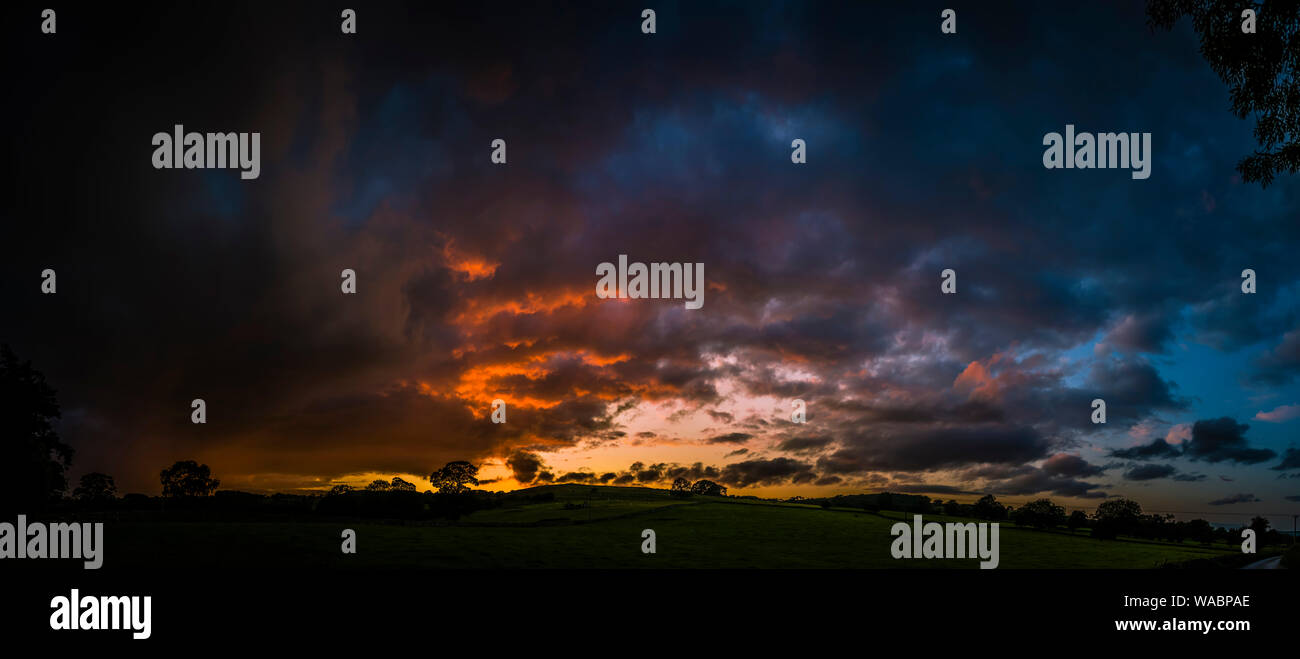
x: 475, y: 281
x: 1223, y: 439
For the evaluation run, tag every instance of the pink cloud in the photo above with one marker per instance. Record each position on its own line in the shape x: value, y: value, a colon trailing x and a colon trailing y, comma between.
x: 1279, y: 414
x: 1179, y: 433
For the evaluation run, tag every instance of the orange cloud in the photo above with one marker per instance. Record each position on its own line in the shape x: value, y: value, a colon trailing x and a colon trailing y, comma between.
x: 469, y: 266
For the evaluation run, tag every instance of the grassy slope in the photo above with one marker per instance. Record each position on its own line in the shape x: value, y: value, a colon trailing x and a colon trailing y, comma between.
x: 698, y: 532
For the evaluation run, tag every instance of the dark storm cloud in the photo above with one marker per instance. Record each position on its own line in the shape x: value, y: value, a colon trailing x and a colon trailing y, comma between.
x: 1036, y: 481
x: 1236, y: 498
x: 692, y: 472
x: 1223, y: 440
x: 1146, y: 332
x: 1132, y: 389
x: 1064, y: 464
x: 475, y: 280
x: 1158, y: 448
x: 525, y: 466
x: 1281, y: 364
x: 927, y: 488
x: 933, y: 449
x: 1212, y: 440
x: 1290, y: 460
x: 766, y: 472
x: 805, y: 443
x: 1148, y: 472
x: 1015, y: 479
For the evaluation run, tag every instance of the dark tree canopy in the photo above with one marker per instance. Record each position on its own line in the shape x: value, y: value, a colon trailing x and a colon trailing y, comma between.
x: 1078, y: 519
x: 378, y: 485
x: 1040, y: 513
x: 1262, y: 71
x: 96, y: 487
x: 455, y: 477
x: 708, y: 488
x: 1118, y: 510
x: 33, y: 460
x: 1259, y: 524
x: 188, y: 478
x: 989, y: 508
x: 400, y: 484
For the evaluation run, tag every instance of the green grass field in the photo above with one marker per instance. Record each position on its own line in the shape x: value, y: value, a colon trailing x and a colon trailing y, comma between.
x: 697, y: 532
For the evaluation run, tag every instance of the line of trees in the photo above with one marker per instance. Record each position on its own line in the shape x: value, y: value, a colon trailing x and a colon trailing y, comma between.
x: 704, y: 487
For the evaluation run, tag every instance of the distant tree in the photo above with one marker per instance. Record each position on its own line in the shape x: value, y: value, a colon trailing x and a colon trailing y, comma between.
x: 1200, y: 531
x: 1260, y: 526
x: 1116, y: 516
x: 95, y: 487
x: 988, y: 508
x: 454, y: 478
x: 33, y: 460
x: 1040, y: 513
x: 377, y: 485
x: 341, y: 488
x: 188, y: 478
x: 402, y: 485
x: 1262, y: 71
x: 1078, y: 519
x: 708, y: 488
x: 1118, y: 509
x: 681, y: 488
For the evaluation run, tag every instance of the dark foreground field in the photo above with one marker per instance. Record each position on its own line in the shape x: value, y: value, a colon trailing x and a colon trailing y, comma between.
x: 579, y: 530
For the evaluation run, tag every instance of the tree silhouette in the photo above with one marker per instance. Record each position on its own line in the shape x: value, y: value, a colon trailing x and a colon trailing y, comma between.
x: 455, y: 477
x: 708, y: 488
x: 681, y: 488
x: 1262, y: 71
x: 401, y: 485
x: 1078, y: 519
x: 1040, y: 513
x: 988, y: 508
x: 378, y: 485
x: 33, y: 460
x: 1259, y: 525
x: 95, y: 487
x: 1116, y: 516
x: 188, y: 478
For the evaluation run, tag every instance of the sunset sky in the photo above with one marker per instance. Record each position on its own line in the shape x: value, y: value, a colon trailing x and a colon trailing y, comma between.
x: 476, y: 281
